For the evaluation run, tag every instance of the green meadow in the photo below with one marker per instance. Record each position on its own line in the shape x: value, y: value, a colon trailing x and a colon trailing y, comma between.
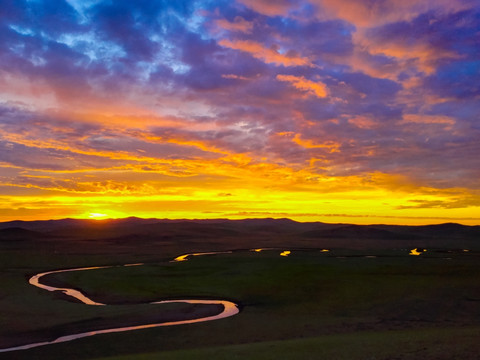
x: 310, y: 304
x: 371, y: 302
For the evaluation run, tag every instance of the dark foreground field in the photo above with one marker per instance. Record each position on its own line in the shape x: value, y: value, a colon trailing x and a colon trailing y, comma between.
x: 366, y: 298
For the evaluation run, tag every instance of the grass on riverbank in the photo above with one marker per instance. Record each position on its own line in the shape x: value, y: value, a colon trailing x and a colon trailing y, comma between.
x: 307, y: 303
x: 439, y: 344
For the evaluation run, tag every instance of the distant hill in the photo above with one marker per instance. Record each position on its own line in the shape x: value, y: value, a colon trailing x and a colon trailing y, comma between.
x: 449, y: 229
x: 42, y: 225
x: 241, y: 229
x: 446, y: 230
x: 359, y: 232
x: 16, y: 233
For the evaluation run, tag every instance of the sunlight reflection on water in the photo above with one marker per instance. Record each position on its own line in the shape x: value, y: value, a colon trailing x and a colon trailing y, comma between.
x: 185, y: 256
x: 417, y: 251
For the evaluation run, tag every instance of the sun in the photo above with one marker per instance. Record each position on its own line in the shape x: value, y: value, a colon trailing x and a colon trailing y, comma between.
x: 97, y: 216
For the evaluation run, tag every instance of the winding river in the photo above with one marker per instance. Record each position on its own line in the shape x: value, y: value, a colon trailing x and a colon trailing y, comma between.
x: 229, y: 308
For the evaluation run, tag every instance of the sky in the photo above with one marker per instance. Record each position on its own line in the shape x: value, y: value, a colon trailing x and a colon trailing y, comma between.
x: 321, y: 110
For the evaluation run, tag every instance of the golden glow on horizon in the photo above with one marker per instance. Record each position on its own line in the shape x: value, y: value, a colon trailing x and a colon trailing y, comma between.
x: 98, y: 216
x: 285, y: 253
x: 256, y: 199
x: 233, y: 187
x: 228, y: 185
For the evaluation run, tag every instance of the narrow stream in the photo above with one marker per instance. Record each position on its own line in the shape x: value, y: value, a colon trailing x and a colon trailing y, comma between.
x: 229, y: 308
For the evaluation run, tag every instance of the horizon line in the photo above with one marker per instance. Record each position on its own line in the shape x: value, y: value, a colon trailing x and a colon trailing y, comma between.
x: 99, y: 220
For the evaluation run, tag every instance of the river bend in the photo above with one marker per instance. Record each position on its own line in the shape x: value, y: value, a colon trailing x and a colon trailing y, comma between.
x: 229, y: 308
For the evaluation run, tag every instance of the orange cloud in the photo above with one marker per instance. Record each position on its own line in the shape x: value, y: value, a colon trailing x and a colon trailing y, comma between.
x: 369, y: 14
x: 428, y: 119
x: 422, y: 55
x: 309, y: 144
x: 268, y: 55
x: 361, y: 60
x: 317, y: 89
x: 362, y: 122
x: 407, y: 53
x: 82, y: 159
x: 238, y: 24
x: 72, y: 186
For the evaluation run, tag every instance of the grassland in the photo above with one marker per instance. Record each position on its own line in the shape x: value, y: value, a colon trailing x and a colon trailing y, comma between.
x: 309, y: 305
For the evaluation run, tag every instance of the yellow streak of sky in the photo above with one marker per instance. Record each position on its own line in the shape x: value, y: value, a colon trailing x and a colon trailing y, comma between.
x: 228, y: 186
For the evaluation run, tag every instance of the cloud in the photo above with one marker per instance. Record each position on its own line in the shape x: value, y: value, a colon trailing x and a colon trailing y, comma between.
x: 263, y: 100
x: 373, y: 13
x: 238, y: 24
x: 362, y: 122
x: 428, y: 119
x: 455, y: 203
x: 233, y: 76
x: 309, y: 144
x: 269, y: 55
x: 269, y: 7
x: 317, y: 89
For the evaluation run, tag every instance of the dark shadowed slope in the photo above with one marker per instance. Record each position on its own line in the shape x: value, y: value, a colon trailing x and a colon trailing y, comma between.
x: 16, y: 233
x: 359, y: 232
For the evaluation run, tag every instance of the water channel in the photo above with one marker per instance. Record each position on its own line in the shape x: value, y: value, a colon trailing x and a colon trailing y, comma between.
x: 229, y: 308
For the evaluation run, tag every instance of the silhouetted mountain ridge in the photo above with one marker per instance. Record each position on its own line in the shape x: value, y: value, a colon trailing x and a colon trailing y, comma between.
x: 184, y: 228
x: 17, y: 233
